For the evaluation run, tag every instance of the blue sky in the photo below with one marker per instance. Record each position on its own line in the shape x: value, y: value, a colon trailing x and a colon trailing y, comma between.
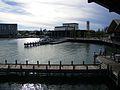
x: 45, y: 14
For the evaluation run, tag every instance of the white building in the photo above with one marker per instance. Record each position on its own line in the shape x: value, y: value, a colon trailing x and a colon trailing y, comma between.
x: 8, y: 30
x: 67, y: 26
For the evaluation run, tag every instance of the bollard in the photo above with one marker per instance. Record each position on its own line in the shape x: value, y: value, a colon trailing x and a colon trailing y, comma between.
x: 60, y: 67
x: 86, y: 67
x: 5, y: 61
x: 20, y: 67
x: 26, y: 62
x: 60, y: 63
x: 83, y: 62
x: 38, y: 63
x: 49, y: 63
x: 71, y: 62
x: 16, y: 62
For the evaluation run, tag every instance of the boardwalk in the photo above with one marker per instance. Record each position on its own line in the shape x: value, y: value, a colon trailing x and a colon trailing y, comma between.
x: 52, y: 68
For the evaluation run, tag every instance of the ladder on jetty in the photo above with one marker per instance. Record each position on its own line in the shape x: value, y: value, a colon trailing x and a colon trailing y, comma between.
x: 36, y: 69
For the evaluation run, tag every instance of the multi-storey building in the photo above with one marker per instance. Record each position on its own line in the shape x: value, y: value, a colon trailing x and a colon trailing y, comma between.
x: 8, y: 30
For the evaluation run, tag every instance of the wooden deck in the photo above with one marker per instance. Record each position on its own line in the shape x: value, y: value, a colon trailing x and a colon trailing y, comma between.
x: 51, y: 68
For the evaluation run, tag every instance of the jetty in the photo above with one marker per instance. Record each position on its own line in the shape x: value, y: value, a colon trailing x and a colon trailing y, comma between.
x: 37, y: 69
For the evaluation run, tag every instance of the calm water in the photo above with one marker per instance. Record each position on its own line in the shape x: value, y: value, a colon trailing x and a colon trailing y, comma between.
x: 13, y: 49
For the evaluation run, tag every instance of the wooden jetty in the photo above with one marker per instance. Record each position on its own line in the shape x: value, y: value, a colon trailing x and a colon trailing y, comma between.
x: 37, y: 69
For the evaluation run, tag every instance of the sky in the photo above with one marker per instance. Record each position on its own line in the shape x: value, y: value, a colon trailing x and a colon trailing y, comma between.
x: 46, y: 14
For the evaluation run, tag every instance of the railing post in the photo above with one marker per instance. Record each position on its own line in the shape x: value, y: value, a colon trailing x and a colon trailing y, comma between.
x: 83, y: 62
x: 71, y: 62
x: 60, y: 65
x: 87, y: 67
x: 38, y: 63
x: 5, y: 61
x: 33, y: 69
x: 26, y: 62
x: 21, y: 70
x: 16, y: 62
x: 49, y: 63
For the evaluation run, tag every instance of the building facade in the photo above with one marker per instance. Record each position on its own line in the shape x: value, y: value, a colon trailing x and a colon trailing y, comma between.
x: 8, y: 30
x: 67, y: 26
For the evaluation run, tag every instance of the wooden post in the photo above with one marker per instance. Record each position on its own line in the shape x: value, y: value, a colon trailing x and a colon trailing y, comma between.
x: 49, y: 63
x: 60, y: 65
x: 16, y: 62
x: 83, y: 62
x: 21, y: 70
x: 26, y: 62
x: 38, y: 63
x: 33, y: 69
x: 71, y: 62
x: 87, y: 67
x: 5, y: 61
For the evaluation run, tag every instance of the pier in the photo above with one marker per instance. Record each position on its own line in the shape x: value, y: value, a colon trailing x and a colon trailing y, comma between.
x: 47, y: 69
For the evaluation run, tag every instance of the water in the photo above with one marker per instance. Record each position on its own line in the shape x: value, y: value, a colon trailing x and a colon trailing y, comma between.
x: 13, y: 49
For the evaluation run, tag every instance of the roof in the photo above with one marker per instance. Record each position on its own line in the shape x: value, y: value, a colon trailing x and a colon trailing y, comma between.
x: 70, y: 23
x: 112, y: 5
x: 114, y: 26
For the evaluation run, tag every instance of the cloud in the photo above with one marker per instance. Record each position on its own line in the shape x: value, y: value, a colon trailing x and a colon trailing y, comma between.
x: 49, y: 13
x: 11, y: 6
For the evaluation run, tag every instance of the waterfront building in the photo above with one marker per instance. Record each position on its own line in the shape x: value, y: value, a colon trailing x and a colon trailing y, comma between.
x: 67, y: 26
x: 114, y: 30
x: 8, y: 30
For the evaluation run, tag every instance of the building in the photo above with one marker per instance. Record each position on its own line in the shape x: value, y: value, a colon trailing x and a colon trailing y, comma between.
x: 67, y: 26
x: 114, y: 30
x: 8, y: 30
x: 72, y: 26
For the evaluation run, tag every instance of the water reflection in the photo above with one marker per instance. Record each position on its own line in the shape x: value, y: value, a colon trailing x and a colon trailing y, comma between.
x: 34, y: 87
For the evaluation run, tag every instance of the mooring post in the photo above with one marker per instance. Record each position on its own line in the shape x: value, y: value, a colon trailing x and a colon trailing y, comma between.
x: 60, y: 65
x: 33, y: 69
x: 87, y: 67
x: 38, y: 63
x: 83, y: 62
x: 26, y: 62
x: 21, y: 70
x: 5, y: 61
x: 16, y: 62
x: 71, y: 62
x: 49, y: 63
